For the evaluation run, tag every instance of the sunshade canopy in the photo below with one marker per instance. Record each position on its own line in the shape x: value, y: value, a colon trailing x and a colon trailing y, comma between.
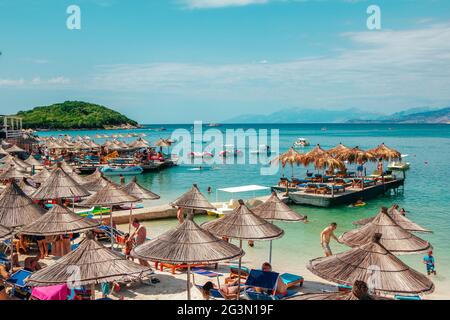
x: 275, y: 209
x: 193, y: 199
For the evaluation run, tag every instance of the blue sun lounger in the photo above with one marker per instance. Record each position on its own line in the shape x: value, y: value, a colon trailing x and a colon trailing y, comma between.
x: 267, y: 283
x: 17, y: 281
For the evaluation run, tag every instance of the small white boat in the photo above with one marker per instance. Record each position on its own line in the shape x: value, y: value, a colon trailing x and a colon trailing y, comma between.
x: 121, y: 170
x: 301, y: 142
x: 399, y: 166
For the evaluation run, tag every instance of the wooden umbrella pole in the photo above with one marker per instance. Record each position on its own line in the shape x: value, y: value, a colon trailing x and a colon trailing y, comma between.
x: 11, y: 248
x: 92, y: 291
x: 189, y: 282
x: 131, y: 217
x: 239, y: 273
x: 111, y: 225
x: 270, y: 252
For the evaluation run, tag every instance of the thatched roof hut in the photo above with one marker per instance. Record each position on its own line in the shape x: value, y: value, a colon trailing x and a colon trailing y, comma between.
x: 5, y: 233
x: 16, y: 208
x: 399, y: 219
x: 386, y: 153
x: 193, y: 199
x: 243, y: 224
x: 275, y: 209
x: 372, y: 262
x: 359, y: 291
x: 59, y: 185
x: 111, y: 194
x: 395, y: 239
x: 59, y: 220
x: 13, y: 172
x: 94, y: 264
x: 134, y: 189
x: 41, y: 176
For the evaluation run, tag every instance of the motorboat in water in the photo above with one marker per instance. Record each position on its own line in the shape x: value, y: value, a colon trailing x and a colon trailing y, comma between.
x: 399, y: 166
x: 301, y: 142
x: 121, y: 170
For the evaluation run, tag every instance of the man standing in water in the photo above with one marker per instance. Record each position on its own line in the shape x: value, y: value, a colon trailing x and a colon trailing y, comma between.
x: 325, y: 237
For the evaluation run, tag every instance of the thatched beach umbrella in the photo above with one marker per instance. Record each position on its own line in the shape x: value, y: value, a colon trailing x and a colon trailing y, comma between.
x: 14, y: 149
x: 93, y: 264
x: 326, y: 161
x: 395, y: 239
x: 243, y: 224
x: 133, y: 188
x: 273, y: 209
x: 313, y: 155
x: 26, y: 188
x: 32, y: 161
x: 92, y: 177
x: 59, y: 220
x: 359, y: 291
x: 356, y: 155
x: 375, y: 265
x: 97, y: 184
x: 187, y: 244
x: 20, y: 163
x: 65, y: 166
x: 59, y: 185
x: 5, y: 233
x: 338, y: 149
x: 41, y: 176
x: 193, y: 199
x: 163, y: 143
x: 13, y: 172
x: 399, y: 219
x: 386, y: 153
x: 16, y: 208
x: 3, y: 151
x: 110, y: 195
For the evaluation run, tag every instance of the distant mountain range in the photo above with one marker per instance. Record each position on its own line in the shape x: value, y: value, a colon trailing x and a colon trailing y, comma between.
x: 353, y: 115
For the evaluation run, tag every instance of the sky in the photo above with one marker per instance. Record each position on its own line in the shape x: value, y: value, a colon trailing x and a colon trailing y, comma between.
x: 176, y: 61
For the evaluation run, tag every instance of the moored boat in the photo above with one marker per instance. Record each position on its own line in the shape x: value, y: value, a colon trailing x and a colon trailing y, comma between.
x: 121, y: 170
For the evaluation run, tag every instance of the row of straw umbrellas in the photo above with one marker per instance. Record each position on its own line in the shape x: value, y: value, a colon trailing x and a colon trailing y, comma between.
x: 374, y: 244
x: 336, y: 157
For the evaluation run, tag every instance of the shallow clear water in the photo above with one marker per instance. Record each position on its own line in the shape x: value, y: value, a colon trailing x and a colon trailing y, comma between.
x: 426, y: 194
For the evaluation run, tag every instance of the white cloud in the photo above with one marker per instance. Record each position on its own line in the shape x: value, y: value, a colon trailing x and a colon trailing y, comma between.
x: 11, y: 82
x: 383, y: 70
x: 36, y: 81
x: 209, y: 4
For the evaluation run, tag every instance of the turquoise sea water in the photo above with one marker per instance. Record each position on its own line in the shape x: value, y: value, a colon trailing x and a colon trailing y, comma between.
x: 426, y: 194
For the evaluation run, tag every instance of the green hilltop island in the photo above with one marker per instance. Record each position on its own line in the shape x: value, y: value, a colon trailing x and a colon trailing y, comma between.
x: 75, y: 115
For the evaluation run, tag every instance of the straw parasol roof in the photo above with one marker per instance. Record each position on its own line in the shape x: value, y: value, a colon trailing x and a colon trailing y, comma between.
x: 32, y: 161
x: 359, y: 291
x: 163, y: 143
x: 16, y: 208
x: 94, y: 263
x: 27, y: 188
x: 326, y: 161
x: 111, y: 194
x: 372, y: 262
x: 139, y: 143
x: 187, y: 244
x: 13, y: 172
x: 59, y: 185
x: 193, y: 199
x: 41, y: 176
x: 2, y: 151
x: 59, y: 220
x: 243, y: 224
x: 92, y: 177
x: 63, y: 165
x: 356, y: 155
x: 399, y: 219
x: 135, y: 189
x: 5, y: 233
x: 14, y: 149
x: 78, y: 178
x: 338, y: 149
x: 7, y: 159
x: 96, y: 185
x: 275, y: 209
x: 19, y: 162
x: 395, y: 239
x: 386, y: 153
x: 313, y: 155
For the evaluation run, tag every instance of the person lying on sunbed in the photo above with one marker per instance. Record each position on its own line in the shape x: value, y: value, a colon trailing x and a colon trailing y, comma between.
x: 228, y: 290
x: 281, y: 286
x: 32, y: 264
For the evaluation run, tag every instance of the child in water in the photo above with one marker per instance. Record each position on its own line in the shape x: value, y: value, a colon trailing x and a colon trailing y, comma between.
x: 429, y: 262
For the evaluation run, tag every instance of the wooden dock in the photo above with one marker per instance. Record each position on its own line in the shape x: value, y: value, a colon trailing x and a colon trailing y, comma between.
x: 342, y: 198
